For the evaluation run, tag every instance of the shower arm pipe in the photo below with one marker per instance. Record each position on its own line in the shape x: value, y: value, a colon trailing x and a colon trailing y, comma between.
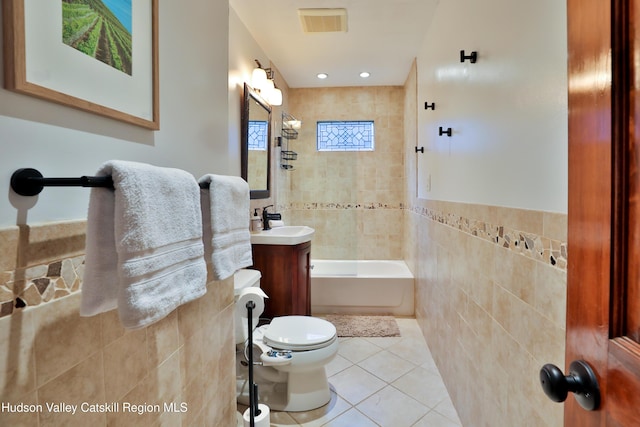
x: 30, y: 182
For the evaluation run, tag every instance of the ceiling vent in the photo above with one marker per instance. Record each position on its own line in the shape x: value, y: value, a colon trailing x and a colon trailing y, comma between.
x: 323, y: 20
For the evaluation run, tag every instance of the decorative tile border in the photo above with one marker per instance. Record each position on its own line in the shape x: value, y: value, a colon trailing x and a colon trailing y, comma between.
x: 540, y: 248
x: 27, y: 287
x: 338, y: 206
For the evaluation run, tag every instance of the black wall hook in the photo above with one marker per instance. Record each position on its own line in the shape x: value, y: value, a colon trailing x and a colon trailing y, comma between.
x: 428, y: 106
x: 420, y: 150
x: 473, y: 57
x: 441, y: 131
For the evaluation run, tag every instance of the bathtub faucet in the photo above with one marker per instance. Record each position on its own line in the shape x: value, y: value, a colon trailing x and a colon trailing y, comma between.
x: 266, y: 216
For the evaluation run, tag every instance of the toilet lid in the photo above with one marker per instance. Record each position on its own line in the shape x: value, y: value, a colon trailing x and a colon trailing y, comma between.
x: 299, y: 333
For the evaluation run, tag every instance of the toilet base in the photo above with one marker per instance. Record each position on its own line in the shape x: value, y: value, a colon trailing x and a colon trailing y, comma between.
x: 300, y: 391
x: 307, y: 390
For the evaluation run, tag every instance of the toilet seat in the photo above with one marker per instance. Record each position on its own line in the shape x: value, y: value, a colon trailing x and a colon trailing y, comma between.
x: 299, y: 333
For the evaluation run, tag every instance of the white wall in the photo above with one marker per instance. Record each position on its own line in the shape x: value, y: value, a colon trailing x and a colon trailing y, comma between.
x: 508, y: 111
x: 194, y: 121
x: 243, y: 51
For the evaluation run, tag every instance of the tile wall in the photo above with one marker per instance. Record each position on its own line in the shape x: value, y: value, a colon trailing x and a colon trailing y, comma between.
x: 490, y: 298
x: 354, y: 200
x: 492, y: 313
x: 177, y: 371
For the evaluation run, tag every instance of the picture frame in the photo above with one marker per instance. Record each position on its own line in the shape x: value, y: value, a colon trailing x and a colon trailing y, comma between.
x: 38, y: 61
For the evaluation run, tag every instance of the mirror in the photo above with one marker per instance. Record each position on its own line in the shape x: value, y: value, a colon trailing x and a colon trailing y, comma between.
x: 255, y: 140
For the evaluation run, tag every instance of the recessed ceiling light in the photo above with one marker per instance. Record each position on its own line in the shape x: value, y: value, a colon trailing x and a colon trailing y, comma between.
x: 323, y: 75
x: 364, y: 74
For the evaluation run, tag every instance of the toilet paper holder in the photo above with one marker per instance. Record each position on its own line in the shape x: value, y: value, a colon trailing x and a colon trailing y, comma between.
x: 254, y: 409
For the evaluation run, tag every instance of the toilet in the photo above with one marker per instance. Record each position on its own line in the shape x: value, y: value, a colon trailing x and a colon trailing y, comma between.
x: 292, y: 352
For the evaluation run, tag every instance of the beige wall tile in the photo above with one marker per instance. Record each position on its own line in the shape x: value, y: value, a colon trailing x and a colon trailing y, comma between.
x: 192, y: 354
x: 163, y: 339
x: 78, y: 385
x: 490, y: 313
x: 122, y: 374
x: 374, y: 179
x: 8, y: 248
x: 193, y: 393
x: 63, y: 338
x: 17, y: 356
x: 189, y: 319
x: 53, y: 354
x: 555, y: 226
x: 165, y: 382
x: 551, y: 294
x: 20, y: 417
x: 57, y: 240
x: 130, y: 413
x: 522, y: 220
x: 112, y: 329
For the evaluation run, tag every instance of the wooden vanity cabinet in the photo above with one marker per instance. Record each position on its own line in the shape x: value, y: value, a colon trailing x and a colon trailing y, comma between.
x: 286, y: 278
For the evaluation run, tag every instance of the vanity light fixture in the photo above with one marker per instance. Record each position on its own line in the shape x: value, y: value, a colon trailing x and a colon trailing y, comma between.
x: 322, y: 76
x: 364, y: 74
x: 262, y: 81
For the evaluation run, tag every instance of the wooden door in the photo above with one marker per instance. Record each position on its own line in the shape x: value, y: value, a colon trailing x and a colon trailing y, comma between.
x: 603, y: 307
x: 302, y: 301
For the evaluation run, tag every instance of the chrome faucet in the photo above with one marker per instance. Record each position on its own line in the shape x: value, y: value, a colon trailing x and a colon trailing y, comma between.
x: 266, y: 216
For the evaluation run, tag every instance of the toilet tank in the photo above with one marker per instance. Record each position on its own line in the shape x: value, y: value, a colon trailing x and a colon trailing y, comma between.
x: 243, y: 279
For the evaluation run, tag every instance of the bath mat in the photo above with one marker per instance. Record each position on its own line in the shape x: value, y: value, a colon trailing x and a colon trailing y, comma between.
x: 349, y: 325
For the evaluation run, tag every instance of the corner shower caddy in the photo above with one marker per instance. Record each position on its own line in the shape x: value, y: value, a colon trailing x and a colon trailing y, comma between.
x: 289, y: 131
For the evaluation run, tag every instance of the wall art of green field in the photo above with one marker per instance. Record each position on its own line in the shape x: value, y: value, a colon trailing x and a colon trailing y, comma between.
x: 90, y: 27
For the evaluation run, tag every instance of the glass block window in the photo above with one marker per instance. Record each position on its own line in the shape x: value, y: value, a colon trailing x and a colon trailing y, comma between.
x: 345, y: 136
x: 258, y: 134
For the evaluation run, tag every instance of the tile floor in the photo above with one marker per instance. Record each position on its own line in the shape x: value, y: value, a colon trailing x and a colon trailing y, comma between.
x: 387, y: 382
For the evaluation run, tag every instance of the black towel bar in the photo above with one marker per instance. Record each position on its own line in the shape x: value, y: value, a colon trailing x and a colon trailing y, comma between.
x: 29, y: 182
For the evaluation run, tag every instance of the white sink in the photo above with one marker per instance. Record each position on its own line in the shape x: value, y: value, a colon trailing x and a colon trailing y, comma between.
x: 287, y: 235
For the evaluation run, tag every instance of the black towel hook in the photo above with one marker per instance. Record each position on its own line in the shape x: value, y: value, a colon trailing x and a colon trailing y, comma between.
x: 473, y: 57
x: 442, y: 131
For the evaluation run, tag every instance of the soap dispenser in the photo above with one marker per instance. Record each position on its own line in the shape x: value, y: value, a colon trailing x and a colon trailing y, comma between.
x: 256, y: 222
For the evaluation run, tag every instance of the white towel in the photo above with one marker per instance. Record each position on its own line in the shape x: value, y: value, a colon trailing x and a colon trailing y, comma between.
x: 144, y: 251
x: 225, y: 213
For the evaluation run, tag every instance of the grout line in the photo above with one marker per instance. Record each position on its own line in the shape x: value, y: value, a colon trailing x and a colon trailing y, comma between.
x: 407, y: 333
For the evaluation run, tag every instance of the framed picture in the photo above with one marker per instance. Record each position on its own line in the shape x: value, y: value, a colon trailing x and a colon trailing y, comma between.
x: 95, y: 55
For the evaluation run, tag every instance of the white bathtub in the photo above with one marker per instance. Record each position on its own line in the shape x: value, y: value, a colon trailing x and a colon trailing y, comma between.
x: 362, y: 287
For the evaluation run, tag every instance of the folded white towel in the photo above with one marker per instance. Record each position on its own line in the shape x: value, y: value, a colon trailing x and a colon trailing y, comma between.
x: 225, y: 213
x: 275, y: 223
x: 144, y: 251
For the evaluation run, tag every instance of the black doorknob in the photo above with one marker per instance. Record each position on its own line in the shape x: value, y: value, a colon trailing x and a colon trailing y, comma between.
x: 581, y: 381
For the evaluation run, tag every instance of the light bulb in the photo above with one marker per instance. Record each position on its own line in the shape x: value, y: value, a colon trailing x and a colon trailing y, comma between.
x: 258, y: 78
x: 275, y: 97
